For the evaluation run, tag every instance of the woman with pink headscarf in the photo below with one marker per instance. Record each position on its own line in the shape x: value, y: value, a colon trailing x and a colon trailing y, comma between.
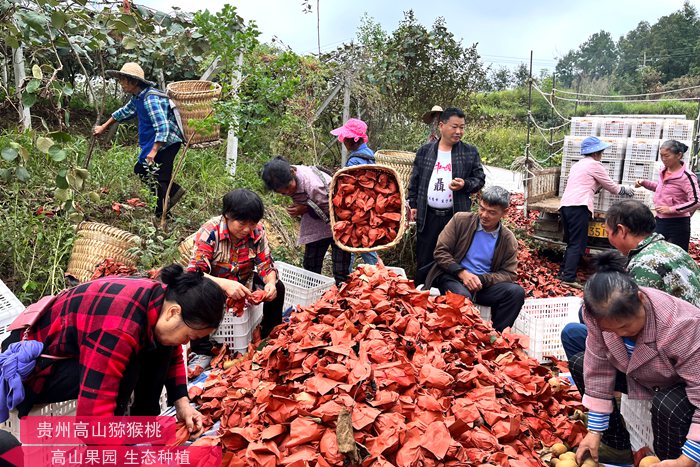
x: 353, y: 135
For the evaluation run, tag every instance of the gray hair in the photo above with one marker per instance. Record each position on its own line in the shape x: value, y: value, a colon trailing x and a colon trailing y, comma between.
x: 676, y: 147
x: 496, y: 196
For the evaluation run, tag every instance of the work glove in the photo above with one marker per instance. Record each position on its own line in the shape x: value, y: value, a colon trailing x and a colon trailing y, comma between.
x: 627, y: 191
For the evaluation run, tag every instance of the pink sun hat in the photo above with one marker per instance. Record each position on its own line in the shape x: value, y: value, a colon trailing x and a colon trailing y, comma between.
x: 354, y: 129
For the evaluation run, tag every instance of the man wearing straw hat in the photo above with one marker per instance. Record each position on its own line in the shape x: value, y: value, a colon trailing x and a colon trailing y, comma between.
x: 432, y: 119
x: 159, y: 135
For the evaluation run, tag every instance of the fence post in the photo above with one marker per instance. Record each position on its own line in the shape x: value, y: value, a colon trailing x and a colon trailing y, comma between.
x: 25, y: 115
x: 232, y: 139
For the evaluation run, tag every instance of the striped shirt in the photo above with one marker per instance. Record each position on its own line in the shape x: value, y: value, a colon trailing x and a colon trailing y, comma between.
x: 162, y: 118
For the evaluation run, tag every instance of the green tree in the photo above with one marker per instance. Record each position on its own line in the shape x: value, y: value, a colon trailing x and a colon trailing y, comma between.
x: 673, y: 41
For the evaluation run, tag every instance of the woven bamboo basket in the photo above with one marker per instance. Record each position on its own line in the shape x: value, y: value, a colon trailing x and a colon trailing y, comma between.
x: 96, y: 242
x: 195, y: 100
x: 331, y: 208
x: 185, y: 249
x: 401, y: 161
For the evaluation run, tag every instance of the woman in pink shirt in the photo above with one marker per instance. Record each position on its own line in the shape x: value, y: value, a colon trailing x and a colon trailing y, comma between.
x: 676, y: 194
x: 586, y: 178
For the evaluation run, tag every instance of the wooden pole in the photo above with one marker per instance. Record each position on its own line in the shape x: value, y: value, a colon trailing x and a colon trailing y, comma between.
x: 346, y: 116
x: 25, y: 115
x: 232, y: 140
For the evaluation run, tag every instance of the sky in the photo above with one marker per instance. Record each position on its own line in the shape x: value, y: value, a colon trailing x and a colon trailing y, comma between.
x: 506, y: 31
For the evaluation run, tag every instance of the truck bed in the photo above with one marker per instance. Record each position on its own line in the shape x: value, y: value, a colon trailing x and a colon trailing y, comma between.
x: 551, y: 206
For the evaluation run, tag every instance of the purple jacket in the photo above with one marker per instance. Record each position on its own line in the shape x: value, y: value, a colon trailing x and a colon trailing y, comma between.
x: 311, y: 187
x: 667, y: 352
x: 680, y: 192
x: 587, y: 176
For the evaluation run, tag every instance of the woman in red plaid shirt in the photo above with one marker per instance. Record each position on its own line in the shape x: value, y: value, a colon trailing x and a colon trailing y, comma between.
x: 117, y: 336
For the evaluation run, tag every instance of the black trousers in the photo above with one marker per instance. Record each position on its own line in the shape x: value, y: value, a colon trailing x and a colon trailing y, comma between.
x: 675, y: 230
x: 671, y: 415
x: 313, y: 258
x: 505, y: 299
x: 272, y: 316
x: 426, y: 240
x: 144, y: 376
x: 158, y: 178
x: 575, y: 220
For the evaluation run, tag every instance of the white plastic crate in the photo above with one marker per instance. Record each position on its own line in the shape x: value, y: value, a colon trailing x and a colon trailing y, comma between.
x: 572, y: 145
x: 605, y: 199
x: 55, y: 409
x: 614, y: 168
x: 567, y: 162
x: 562, y: 185
x: 401, y: 272
x: 302, y: 287
x: 10, y: 307
x: 237, y: 331
x: 615, y: 128
x: 542, y: 320
x: 646, y: 128
x: 617, y: 148
x: 639, y: 170
x: 678, y: 129
x: 585, y: 126
x: 637, y: 416
x: 642, y: 149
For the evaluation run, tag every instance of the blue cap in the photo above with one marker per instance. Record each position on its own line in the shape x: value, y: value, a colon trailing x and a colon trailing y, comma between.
x: 593, y: 144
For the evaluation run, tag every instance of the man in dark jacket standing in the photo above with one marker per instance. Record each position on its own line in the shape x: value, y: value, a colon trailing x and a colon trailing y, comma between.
x: 476, y: 256
x: 445, y: 173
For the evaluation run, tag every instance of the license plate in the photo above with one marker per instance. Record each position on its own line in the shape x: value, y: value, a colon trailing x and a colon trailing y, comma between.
x: 597, y: 229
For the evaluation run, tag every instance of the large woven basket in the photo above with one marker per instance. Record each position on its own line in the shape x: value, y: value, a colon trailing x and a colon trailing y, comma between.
x: 331, y: 207
x: 96, y: 242
x: 185, y: 249
x: 195, y: 100
x: 401, y: 161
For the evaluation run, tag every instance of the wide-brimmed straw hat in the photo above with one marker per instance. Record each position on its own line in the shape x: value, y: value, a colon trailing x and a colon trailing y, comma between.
x: 354, y: 129
x: 430, y: 115
x: 130, y: 70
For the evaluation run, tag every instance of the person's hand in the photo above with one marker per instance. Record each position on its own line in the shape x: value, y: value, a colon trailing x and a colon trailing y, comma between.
x: 151, y: 156
x: 682, y: 461
x: 234, y: 289
x: 457, y: 184
x: 663, y: 209
x: 184, y: 412
x: 638, y: 183
x: 270, y: 292
x: 98, y: 130
x: 297, y: 210
x: 588, y: 447
x: 412, y: 215
x: 470, y: 281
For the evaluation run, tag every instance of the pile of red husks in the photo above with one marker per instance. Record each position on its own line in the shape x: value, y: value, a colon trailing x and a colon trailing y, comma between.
x: 538, y: 275
x: 378, y: 374
x: 109, y: 267
x: 694, y: 250
x: 367, y: 207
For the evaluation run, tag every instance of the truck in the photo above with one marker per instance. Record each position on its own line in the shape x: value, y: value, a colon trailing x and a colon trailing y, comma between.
x: 543, y: 188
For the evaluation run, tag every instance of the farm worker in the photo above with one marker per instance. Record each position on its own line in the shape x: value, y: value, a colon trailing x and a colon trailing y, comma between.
x: 353, y: 135
x: 108, y: 338
x: 159, y: 134
x: 676, y: 194
x: 444, y: 174
x: 308, y: 188
x: 232, y: 249
x: 651, y: 262
x: 477, y: 256
x: 649, y: 341
x: 432, y: 119
x: 586, y: 178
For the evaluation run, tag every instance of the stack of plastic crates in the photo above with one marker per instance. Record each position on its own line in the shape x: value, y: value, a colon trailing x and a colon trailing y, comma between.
x: 542, y: 320
x: 237, y: 331
x: 646, y: 128
x: 301, y: 287
x: 585, y: 126
x: 637, y: 416
x: 640, y: 160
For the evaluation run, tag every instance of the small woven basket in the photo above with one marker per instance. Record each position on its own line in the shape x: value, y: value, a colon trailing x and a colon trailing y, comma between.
x: 96, y: 242
x: 195, y: 100
x: 185, y: 249
x: 401, y: 161
x: 331, y: 208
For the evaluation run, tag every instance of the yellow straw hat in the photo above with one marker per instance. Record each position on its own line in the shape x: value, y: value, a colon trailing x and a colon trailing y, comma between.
x: 130, y: 70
